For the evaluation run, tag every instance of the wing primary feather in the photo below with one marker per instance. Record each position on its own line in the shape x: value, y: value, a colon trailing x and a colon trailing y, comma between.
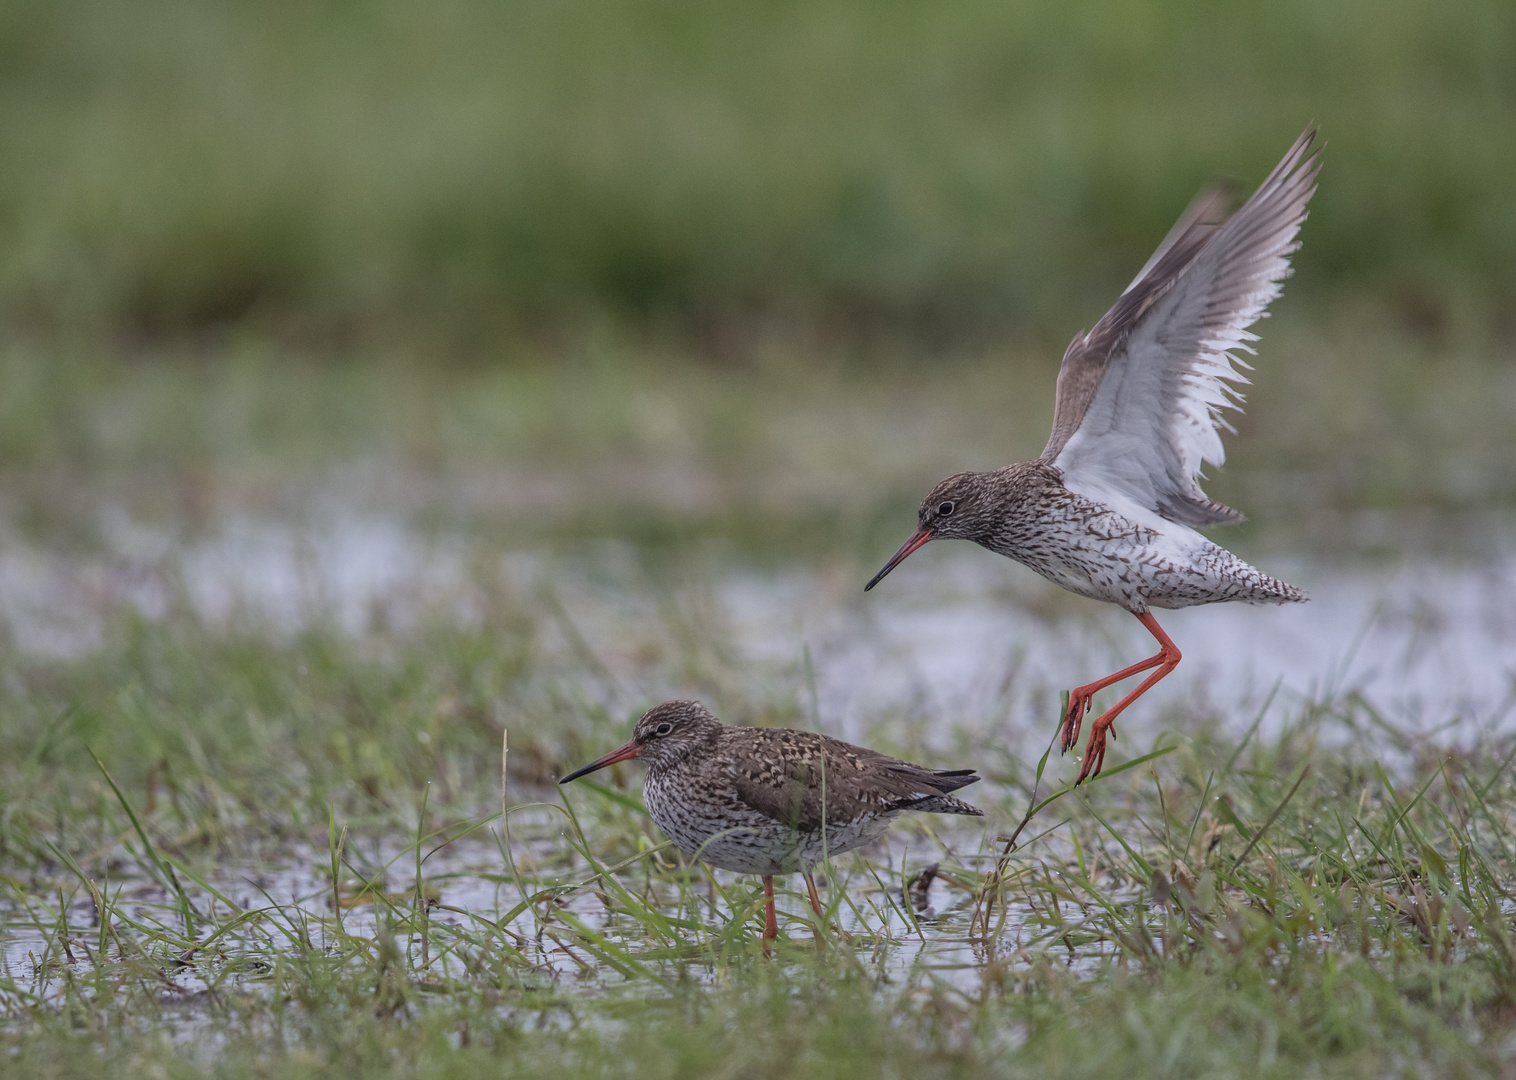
x: 1175, y: 337
x: 1206, y: 210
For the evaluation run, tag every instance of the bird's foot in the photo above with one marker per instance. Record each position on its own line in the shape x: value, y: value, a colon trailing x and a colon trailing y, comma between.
x: 1080, y: 701
x: 1094, y: 753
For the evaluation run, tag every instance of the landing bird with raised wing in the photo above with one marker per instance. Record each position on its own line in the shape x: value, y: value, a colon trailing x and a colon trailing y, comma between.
x: 1110, y: 508
x: 770, y: 801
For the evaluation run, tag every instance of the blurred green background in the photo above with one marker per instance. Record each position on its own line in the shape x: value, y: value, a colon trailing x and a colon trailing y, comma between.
x: 468, y: 170
x: 570, y: 231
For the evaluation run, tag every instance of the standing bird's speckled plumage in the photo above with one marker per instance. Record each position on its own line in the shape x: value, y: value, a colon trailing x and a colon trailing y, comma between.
x: 1109, y: 509
x: 770, y: 801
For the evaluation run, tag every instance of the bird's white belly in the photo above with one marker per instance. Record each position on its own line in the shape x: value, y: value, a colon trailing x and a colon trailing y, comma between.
x: 1109, y: 557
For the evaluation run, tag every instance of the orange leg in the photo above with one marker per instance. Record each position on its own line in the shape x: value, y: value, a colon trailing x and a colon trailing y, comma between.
x: 770, y: 920
x: 810, y: 887
x: 1080, y: 699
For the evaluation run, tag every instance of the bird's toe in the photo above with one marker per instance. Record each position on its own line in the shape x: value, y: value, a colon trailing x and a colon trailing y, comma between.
x: 1073, y: 719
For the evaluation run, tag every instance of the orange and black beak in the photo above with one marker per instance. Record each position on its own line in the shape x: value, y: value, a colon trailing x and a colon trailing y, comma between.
x: 623, y: 753
x: 919, y: 537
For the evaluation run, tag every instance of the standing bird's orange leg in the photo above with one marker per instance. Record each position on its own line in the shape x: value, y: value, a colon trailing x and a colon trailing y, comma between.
x: 770, y: 920
x: 1080, y: 699
x: 810, y: 887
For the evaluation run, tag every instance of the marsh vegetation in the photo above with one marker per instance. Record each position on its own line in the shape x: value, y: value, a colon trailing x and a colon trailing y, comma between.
x: 379, y: 384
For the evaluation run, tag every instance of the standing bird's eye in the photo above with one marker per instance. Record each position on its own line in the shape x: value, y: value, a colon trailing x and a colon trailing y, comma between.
x: 945, y: 509
x: 663, y: 729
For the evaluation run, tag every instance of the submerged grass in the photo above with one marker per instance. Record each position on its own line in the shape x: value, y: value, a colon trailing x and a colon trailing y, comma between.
x: 268, y: 873
x: 1231, y: 908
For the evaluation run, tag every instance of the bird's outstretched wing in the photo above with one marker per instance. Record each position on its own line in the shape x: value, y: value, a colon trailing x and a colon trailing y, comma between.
x: 1140, y: 396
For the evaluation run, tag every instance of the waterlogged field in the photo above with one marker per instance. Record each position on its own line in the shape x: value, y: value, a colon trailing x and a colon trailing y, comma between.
x: 269, y: 629
x: 397, y: 399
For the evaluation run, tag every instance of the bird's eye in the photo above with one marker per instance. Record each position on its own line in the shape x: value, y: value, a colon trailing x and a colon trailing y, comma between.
x: 945, y: 509
x: 663, y: 729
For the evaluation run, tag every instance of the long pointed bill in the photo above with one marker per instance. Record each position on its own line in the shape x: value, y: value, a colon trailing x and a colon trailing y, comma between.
x: 919, y: 537
x: 622, y: 753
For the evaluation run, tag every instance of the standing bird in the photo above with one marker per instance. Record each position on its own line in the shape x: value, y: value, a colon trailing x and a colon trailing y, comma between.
x: 772, y: 800
x: 1110, y: 508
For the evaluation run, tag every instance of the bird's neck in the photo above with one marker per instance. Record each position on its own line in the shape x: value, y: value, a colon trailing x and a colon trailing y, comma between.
x: 1014, y: 495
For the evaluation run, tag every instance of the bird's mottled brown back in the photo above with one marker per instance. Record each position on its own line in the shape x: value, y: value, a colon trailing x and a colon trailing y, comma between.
x: 801, y: 779
x: 773, y: 800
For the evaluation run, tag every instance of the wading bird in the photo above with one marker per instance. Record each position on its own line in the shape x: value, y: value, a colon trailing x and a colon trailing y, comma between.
x: 772, y: 801
x: 1110, y: 508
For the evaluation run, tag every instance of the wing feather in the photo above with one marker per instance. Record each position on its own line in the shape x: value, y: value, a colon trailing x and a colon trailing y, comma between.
x: 789, y: 788
x: 1141, y: 396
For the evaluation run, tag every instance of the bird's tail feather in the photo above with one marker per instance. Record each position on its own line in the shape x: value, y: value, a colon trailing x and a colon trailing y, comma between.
x: 953, y: 779
x: 939, y: 804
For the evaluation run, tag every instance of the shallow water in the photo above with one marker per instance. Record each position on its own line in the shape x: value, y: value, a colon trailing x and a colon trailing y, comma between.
x: 955, y: 641
x: 955, y: 636
x: 469, y: 884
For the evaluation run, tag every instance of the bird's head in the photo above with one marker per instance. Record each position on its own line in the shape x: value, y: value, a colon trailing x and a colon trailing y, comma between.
x: 666, y: 734
x: 957, y: 508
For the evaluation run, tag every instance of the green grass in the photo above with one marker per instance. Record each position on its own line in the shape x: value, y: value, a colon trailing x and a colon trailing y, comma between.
x: 1333, y: 898
x: 455, y: 173
x: 809, y: 451
x: 1355, y: 925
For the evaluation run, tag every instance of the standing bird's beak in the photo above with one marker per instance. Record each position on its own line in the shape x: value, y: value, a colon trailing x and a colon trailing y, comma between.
x: 623, y: 753
x: 919, y: 537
